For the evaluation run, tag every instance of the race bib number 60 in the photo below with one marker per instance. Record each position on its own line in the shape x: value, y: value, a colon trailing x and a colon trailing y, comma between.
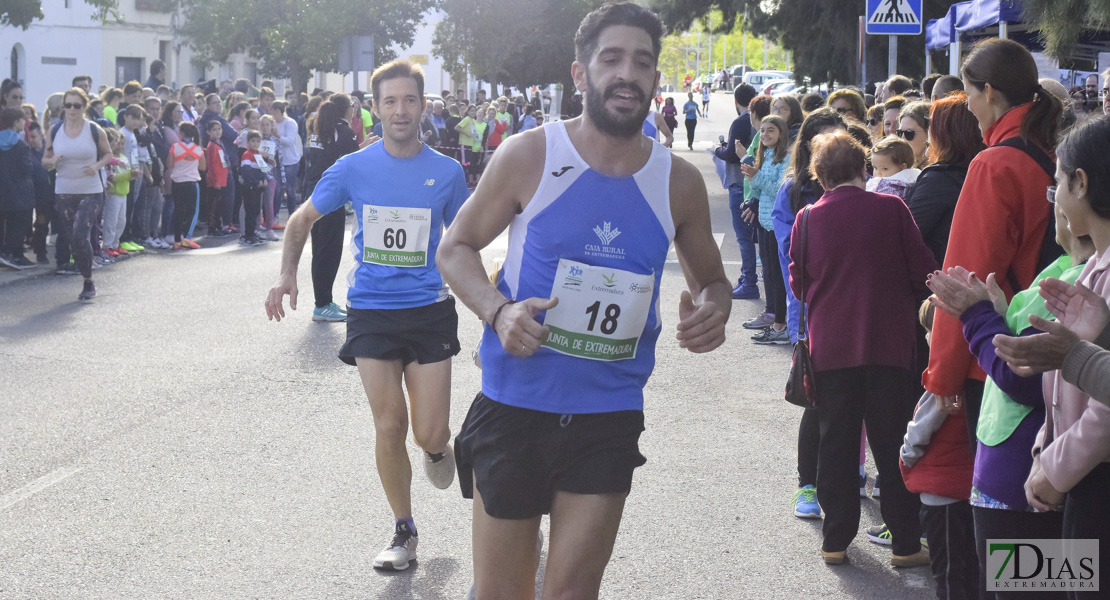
x: 396, y: 236
x: 601, y: 312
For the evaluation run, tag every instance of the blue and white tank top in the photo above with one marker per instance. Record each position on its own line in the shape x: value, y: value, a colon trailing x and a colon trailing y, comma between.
x: 650, y: 129
x: 600, y: 244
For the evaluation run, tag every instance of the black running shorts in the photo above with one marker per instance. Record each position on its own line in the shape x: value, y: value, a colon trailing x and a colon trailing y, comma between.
x: 519, y: 457
x: 426, y: 334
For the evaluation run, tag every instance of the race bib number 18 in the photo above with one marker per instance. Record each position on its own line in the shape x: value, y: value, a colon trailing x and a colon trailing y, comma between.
x: 601, y: 312
x: 396, y: 236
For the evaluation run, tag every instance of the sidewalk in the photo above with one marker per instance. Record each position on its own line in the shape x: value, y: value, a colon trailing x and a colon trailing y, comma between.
x: 9, y: 276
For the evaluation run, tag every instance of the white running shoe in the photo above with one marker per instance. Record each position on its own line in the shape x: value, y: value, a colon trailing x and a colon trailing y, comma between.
x: 440, y: 468
x: 400, y: 552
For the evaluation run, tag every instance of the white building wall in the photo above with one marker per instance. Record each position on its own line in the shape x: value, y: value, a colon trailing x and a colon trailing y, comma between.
x: 65, y: 44
x: 69, y: 42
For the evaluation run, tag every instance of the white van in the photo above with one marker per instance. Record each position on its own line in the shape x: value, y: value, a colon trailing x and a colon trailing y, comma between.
x: 758, y: 78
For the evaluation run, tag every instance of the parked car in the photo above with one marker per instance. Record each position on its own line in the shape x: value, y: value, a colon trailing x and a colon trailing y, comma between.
x: 760, y: 78
x: 777, y: 86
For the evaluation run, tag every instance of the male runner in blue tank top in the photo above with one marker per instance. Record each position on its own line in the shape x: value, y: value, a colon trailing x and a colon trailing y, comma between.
x: 401, y: 324
x: 572, y: 321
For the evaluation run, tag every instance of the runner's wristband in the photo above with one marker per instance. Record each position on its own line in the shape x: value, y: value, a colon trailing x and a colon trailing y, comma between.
x: 497, y: 313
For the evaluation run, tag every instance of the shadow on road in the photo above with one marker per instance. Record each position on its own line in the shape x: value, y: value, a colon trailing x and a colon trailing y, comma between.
x: 426, y: 580
x: 54, y: 320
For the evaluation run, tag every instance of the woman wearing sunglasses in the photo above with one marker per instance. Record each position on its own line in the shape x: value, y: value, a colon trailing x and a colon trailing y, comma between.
x: 849, y: 104
x: 78, y: 159
x: 954, y: 140
x: 913, y: 126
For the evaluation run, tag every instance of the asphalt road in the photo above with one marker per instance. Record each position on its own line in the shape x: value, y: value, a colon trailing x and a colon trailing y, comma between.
x: 166, y: 441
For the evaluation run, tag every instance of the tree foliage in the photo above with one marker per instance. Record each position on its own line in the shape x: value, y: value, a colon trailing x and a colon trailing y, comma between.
x: 22, y: 13
x: 822, y: 35
x: 293, y: 37
x: 511, y: 42
x: 1063, y: 22
x: 717, y: 51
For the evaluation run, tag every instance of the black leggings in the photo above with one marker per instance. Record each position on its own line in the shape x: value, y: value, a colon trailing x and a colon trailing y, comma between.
x: 78, y: 212
x: 691, y: 124
x: 996, y: 523
x: 327, y: 251
x: 185, y: 198
x: 1085, y: 512
x: 252, y: 207
x: 773, y: 283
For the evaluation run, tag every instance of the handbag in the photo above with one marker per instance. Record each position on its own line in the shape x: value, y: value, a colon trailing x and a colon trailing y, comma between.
x: 801, y: 384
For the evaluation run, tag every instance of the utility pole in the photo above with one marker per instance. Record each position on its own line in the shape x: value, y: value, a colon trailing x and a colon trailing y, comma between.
x: 892, y: 56
x: 744, y: 54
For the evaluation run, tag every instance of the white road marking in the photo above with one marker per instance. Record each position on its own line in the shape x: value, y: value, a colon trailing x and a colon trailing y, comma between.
x: 22, y: 493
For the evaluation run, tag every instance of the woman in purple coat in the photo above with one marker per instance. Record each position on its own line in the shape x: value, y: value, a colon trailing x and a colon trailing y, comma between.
x: 863, y: 265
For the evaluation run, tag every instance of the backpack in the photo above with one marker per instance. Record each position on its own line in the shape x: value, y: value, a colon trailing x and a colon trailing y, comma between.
x: 1050, y: 250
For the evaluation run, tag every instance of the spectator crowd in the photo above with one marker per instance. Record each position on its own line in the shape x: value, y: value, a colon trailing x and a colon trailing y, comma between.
x: 148, y: 167
x: 939, y: 245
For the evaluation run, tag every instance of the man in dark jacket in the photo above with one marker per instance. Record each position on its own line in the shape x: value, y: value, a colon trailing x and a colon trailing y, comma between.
x: 740, y: 135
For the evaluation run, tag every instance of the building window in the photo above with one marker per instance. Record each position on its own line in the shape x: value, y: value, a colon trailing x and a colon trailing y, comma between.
x: 17, y: 64
x: 164, y: 51
x: 251, y: 72
x: 128, y: 69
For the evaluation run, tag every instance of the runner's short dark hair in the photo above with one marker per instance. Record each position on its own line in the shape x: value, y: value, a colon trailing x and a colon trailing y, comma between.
x: 616, y: 13
x: 397, y: 69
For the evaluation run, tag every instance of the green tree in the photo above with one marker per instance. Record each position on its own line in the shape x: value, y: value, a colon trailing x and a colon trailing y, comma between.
x: 294, y: 37
x: 21, y: 13
x: 510, y: 42
x: 1063, y: 22
x: 821, y: 35
x: 721, y: 50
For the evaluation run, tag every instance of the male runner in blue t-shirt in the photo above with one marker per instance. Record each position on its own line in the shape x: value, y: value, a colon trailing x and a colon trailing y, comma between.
x: 592, y: 206
x: 401, y: 323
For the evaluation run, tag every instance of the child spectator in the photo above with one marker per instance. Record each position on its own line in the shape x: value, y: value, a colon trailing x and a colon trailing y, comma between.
x: 133, y: 119
x: 17, y: 196
x: 121, y: 172
x: 936, y: 463
x: 215, y: 178
x: 252, y: 122
x: 764, y: 178
x: 893, y: 160
x: 253, y: 175
x: 186, y: 161
x: 470, y: 143
x: 44, y: 193
x: 270, y: 148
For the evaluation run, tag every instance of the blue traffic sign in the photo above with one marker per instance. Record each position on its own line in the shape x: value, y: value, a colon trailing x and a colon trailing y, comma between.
x: 893, y: 17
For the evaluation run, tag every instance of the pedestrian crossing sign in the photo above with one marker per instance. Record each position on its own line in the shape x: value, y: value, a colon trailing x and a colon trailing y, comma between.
x: 893, y: 17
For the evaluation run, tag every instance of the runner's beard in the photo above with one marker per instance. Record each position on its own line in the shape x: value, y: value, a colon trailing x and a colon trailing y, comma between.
x: 624, y: 125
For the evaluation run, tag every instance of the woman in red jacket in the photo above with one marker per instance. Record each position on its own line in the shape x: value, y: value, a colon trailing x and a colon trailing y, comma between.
x: 1001, y: 216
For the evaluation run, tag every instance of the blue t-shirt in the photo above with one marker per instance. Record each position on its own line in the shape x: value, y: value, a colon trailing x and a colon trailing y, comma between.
x: 374, y: 178
x: 691, y: 109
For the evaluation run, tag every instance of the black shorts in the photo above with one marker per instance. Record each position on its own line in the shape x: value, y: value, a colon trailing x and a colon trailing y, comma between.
x: 426, y: 334
x: 519, y: 457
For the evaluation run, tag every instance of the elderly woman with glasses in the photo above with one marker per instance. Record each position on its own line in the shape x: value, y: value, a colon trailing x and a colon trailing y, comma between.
x: 78, y: 149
